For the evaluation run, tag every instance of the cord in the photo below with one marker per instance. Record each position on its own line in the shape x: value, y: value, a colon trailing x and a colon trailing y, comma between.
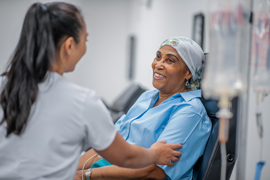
x: 86, y: 162
x: 223, y: 161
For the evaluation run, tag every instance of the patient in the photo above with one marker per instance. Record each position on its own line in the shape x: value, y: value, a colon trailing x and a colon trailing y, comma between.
x: 173, y: 111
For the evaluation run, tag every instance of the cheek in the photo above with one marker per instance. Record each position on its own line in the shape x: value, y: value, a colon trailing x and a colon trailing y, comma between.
x: 176, y: 74
x: 153, y: 65
x: 82, y: 52
x: 84, y: 49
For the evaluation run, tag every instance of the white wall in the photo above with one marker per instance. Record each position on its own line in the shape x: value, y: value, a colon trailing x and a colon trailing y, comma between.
x: 11, y: 18
x: 104, y: 66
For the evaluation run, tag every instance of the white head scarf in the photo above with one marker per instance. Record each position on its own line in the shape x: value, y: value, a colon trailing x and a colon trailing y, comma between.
x: 192, y: 55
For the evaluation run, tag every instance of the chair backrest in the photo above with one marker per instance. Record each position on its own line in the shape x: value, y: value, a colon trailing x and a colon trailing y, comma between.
x: 208, y: 167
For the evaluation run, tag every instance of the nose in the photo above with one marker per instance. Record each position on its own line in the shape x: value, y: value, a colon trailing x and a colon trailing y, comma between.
x: 159, y: 65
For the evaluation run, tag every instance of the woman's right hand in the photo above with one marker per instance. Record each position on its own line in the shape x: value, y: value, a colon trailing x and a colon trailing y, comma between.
x: 165, y: 153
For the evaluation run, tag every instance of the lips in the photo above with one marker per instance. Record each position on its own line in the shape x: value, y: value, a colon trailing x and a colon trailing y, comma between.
x: 158, y: 76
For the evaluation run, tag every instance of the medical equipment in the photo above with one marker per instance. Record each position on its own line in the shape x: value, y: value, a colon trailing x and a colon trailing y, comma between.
x: 224, y: 74
x: 260, y: 66
x: 261, y: 39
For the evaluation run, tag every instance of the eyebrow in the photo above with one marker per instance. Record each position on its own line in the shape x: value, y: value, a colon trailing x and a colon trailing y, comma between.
x: 174, y: 56
x: 170, y: 55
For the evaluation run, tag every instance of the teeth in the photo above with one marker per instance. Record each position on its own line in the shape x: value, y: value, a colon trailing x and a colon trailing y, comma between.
x: 158, y: 75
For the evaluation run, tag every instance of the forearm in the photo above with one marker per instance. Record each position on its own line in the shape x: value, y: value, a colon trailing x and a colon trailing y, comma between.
x: 115, y: 172
x: 118, y: 173
x: 125, y: 155
x: 137, y: 158
x: 85, y: 157
x: 111, y: 173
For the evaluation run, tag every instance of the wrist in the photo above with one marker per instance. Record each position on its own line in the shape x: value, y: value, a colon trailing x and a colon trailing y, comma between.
x: 87, y: 174
x: 97, y: 173
x: 154, y: 153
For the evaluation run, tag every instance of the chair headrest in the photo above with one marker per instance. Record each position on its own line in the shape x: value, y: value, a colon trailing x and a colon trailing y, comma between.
x: 211, y: 107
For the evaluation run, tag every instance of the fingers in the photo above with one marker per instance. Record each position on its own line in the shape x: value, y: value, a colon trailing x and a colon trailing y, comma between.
x: 166, y: 152
x: 175, y: 146
x: 177, y: 153
x: 163, y: 141
x: 170, y: 164
x: 175, y: 159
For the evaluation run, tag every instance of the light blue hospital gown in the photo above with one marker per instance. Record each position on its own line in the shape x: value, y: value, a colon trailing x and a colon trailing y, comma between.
x: 181, y: 119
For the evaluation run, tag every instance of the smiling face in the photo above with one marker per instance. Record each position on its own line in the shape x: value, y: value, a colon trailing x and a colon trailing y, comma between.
x: 169, y: 71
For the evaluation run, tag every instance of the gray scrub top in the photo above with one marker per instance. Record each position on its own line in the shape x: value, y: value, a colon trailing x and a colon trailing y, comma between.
x: 64, y: 118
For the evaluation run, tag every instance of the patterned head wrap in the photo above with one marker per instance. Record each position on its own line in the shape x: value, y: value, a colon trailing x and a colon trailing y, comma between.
x: 192, y: 55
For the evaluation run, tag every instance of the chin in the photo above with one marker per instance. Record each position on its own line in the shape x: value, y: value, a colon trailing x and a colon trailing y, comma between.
x: 69, y: 70
x: 156, y: 85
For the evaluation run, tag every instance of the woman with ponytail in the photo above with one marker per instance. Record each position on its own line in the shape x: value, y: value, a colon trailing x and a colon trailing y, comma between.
x: 45, y: 120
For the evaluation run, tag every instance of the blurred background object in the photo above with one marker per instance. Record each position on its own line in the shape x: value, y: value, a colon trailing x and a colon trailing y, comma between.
x: 227, y: 69
x: 198, y: 29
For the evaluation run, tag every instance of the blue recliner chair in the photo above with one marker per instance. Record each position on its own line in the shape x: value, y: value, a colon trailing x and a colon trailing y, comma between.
x: 208, y: 167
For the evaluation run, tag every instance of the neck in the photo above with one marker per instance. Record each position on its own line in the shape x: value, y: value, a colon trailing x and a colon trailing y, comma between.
x: 56, y: 68
x: 165, y: 95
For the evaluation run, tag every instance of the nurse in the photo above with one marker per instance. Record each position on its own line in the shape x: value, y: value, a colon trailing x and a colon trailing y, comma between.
x: 45, y: 119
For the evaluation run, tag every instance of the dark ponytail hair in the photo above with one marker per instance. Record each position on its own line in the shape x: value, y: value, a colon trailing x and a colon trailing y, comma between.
x: 45, y: 28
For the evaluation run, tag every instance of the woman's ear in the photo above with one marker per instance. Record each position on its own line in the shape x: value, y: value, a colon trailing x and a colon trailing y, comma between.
x: 188, y: 75
x: 68, y: 46
x: 65, y: 52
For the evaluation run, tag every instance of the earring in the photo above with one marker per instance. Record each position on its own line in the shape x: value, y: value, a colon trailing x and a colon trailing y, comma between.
x: 187, y: 83
x: 70, y: 54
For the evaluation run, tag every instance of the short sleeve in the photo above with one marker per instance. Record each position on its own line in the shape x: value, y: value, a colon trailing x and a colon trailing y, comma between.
x: 100, y: 130
x: 118, y: 123
x: 192, y: 131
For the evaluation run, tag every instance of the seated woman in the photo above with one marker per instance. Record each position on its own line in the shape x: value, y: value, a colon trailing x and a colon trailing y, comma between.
x: 173, y: 111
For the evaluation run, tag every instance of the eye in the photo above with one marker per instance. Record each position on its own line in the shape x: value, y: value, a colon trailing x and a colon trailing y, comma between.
x: 171, y: 60
x: 158, y: 57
